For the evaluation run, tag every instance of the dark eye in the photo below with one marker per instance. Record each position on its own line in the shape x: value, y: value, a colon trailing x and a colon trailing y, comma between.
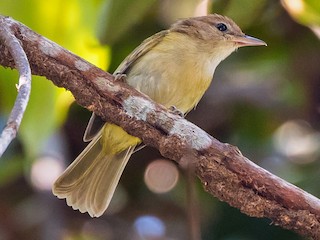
x: 222, y: 27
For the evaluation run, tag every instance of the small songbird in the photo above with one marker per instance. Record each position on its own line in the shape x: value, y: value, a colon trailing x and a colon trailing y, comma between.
x: 174, y: 68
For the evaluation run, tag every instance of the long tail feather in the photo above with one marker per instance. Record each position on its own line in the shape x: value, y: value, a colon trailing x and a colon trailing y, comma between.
x: 88, y: 184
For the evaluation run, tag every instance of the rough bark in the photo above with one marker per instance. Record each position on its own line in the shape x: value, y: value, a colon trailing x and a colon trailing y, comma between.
x: 223, y: 170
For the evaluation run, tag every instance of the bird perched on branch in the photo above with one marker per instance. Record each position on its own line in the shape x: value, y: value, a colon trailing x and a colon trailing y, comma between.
x: 174, y: 68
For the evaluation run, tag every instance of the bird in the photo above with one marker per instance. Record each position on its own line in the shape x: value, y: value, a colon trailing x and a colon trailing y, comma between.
x: 174, y: 67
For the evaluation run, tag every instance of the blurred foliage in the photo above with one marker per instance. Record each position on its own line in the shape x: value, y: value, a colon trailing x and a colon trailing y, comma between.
x: 73, y: 28
x: 110, y: 27
x: 264, y: 100
x: 304, y: 11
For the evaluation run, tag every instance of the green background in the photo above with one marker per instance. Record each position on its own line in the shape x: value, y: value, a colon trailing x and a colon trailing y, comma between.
x: 265, y: 100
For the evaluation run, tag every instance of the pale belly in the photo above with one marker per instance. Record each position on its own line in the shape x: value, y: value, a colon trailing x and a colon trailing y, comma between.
x: 176, y: 84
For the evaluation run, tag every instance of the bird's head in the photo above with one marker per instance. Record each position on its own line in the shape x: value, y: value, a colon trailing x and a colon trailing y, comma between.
x: 216, y: 32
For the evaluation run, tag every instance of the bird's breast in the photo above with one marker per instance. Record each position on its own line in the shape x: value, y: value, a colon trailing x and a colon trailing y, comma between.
x: 173, y: 77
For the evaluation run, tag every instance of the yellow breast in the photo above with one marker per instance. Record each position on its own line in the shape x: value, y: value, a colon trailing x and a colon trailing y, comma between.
x: 176, y: 72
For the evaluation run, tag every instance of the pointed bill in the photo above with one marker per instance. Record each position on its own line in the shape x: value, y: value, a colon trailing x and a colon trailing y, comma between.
x: 245, y: 40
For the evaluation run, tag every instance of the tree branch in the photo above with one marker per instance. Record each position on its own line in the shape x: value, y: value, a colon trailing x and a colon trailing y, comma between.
x: 24, y: 87
x: 224, y: 172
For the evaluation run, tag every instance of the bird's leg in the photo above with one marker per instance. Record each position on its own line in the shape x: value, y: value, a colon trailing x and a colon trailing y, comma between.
x: 120, y: 77
x: 176, y: 111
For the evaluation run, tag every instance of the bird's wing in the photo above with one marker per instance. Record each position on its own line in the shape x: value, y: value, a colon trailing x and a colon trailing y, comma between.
x: 96, y: 123
x: 141, y: 50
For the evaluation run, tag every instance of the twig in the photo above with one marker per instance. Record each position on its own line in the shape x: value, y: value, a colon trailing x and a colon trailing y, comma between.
x: 224, y: 172
x: 24, y: 87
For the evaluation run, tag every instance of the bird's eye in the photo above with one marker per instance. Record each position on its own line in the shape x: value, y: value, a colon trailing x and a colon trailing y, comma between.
x: 222, y: 27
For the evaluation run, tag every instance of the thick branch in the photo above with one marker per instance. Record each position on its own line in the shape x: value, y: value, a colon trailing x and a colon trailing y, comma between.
x: 224, y: 172
x: 24, y: 87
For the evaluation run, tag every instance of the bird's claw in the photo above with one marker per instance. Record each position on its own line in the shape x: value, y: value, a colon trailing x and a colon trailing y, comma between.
x: 120, y: 77
x: 176, y: 111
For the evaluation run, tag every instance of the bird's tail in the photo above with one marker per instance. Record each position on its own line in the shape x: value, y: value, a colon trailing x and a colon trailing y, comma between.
x: 88, y: 184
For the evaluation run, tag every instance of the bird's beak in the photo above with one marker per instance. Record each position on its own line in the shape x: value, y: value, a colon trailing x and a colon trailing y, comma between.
x: 243, y: 41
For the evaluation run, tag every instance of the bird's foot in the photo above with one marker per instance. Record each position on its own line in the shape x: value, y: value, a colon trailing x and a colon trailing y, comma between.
x: 120, y: 77
x: 176, y: 111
